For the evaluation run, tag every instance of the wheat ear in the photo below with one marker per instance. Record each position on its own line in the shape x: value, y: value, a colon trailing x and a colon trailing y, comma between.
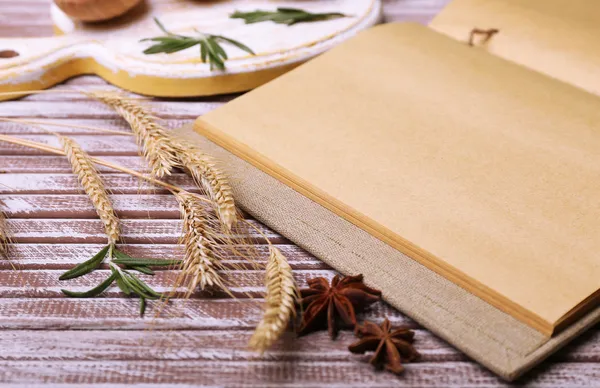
x: 93, y: 185
x: 280, y: 301
x: 212, y: 179
x: 199, y: 266
x: 4, y: 240
x: 152, y: 138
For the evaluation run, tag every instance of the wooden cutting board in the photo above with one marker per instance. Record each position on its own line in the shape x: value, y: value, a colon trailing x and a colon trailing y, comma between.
x: 113, y: 49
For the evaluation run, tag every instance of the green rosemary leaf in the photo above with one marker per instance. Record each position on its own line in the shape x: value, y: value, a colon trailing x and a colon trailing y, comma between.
x: 120, y: 255
x: 237, y: 44
x: 142, y: 269
x: 145, y: 262
x: 289, y: 16
x: 215, y: 58
x: 142, y: 306
x: 135, y: 287
x: 162, y: 27
x: 150, y: 293
x: 219, y: 50
x: 203, y: 52
x: 87, y: 266
x: 211, y: 51
x: 122, y: 284
x: 124, y: 259
x: 94, y: 291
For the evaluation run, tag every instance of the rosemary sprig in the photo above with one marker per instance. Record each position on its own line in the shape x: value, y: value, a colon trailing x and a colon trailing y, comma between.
x: 289, y: 16
x: 126, y: 281
x: 211, y: 50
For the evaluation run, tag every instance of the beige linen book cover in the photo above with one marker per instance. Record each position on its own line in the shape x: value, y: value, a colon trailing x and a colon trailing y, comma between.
x: 478, y: 168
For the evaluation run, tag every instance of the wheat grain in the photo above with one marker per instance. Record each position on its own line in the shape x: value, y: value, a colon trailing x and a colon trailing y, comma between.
x: 280, y: 301
x: 199, y: 266
x: 212, y: 179
x: 93, y: 185
x: 154, y: 140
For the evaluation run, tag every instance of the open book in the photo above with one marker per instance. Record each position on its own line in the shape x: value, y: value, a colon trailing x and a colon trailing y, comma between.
x: 481, y: 163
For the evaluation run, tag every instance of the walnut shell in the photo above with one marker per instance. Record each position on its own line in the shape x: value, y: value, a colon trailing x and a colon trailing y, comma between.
x: 95, y: 10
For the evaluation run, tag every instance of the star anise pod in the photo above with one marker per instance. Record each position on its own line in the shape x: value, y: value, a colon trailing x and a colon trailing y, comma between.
x: 334, y: 306
x: 391, y: 347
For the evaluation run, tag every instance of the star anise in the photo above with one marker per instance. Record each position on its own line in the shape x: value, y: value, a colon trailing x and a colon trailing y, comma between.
x: 334, y: 306
x: 391, y: 347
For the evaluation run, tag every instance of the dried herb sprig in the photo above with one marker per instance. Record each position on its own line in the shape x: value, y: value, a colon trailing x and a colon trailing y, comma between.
x: 128, y: 282
x: 211, y: 50
x: 289, y: 16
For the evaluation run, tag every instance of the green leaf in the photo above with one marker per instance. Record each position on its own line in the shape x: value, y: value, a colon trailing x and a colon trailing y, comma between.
x: 236, y: 43
x: 162, y: 27
x: 203, y: 52
x: 288, y: 16
x: 120, y: 254
x: 87, y: 266
x: 146, y: 262
x: 124, y: 259
x: 142, y: 287
x: 134, y: 287
x: 94, y: 291
x: 211, y: 51
x: 218, y: 49
x: 142, y: 269
x: 142, y: 306
x: 122, y: 284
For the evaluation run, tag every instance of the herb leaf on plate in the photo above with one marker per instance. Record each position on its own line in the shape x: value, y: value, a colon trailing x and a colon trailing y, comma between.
x: 211, y: 49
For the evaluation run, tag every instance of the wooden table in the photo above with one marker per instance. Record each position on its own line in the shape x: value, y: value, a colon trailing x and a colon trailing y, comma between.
x: 47, y: 339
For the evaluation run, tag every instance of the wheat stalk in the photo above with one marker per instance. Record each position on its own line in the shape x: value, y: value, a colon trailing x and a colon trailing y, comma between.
x: 280, y: 301
x: 164, y: 153
x: 153, y: 139
x: 92, y: 183
x: 199, y: 266
x: 212, y: 179
x: 4, y: 240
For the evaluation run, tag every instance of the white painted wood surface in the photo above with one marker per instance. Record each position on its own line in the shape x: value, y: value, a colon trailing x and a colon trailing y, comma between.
x: 49, y: 340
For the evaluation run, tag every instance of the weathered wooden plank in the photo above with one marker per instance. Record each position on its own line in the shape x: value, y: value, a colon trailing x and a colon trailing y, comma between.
x: 69, y: 92
x: 229, y: 345
x: 65, y: 256
x: 134, y: 231
x: 163, y: 206
x: 97, y: 110
x: 122, y: 314
x: 68, y: 184
x: 178, y: 314
x: 28, y: 164
x: 68, y: 126
x: 92, y: 144
x: 421, y: 11
x: 280, y: 374
x: 45, y: 283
